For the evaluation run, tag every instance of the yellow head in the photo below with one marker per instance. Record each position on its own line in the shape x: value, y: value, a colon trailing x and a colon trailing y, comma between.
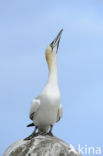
x: 49, y: 56
x: 52, y: 49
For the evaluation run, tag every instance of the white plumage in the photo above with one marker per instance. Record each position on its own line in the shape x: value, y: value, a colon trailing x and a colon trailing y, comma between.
x: 46, y: 109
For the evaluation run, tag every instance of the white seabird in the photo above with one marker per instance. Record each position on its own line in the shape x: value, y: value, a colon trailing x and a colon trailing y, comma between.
x: 46, y: 109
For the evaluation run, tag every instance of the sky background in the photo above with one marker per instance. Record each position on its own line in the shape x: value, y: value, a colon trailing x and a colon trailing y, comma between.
x: 26, y: 28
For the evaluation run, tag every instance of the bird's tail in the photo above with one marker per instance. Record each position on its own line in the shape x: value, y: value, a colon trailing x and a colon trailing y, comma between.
x: 30, y: 125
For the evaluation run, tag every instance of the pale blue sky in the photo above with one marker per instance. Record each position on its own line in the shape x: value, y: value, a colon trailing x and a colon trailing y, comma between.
x: 26, y: 28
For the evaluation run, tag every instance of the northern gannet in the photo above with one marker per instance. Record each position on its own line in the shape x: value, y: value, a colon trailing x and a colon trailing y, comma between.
x: 46, y: 108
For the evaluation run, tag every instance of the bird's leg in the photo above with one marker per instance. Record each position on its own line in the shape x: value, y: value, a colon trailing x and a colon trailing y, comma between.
x: 46, y: 133
x: 35, y: 130
x: 32, y: 135
x: 50, y: 131
x: 42, y: 133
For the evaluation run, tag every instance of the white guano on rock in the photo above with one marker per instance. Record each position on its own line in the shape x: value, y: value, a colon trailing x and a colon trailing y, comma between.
x: 41, y: 146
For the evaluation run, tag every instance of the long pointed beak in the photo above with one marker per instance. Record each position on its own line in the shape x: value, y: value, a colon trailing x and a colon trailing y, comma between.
x: 55, y: 42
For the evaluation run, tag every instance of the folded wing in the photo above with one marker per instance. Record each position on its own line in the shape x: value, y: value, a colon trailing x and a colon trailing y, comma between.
x: 34, y: 107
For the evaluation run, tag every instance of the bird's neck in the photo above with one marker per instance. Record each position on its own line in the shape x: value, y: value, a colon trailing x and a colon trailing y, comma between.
x: 53, y: 75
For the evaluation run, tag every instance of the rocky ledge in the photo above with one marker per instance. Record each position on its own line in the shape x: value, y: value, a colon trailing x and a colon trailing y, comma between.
x: 41, y: 146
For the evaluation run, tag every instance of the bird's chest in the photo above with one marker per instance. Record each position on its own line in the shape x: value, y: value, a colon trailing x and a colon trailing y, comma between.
x: 52, y: 96
x: 49, y: 106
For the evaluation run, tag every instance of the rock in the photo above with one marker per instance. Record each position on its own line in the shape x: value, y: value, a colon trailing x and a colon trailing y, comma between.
x: 41, y: 146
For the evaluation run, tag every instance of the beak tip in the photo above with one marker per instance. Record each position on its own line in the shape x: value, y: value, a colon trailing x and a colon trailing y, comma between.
x: 61, y: 30
x: 56, y: 40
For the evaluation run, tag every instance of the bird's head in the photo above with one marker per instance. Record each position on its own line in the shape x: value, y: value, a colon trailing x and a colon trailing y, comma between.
x: 52, y: 49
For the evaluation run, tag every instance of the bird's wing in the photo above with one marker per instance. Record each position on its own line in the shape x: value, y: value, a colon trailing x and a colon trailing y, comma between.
x: 34, y: 107
x: 60, y: 112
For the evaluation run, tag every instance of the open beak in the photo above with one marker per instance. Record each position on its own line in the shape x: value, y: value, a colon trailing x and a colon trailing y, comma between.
x: 55, y: 42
